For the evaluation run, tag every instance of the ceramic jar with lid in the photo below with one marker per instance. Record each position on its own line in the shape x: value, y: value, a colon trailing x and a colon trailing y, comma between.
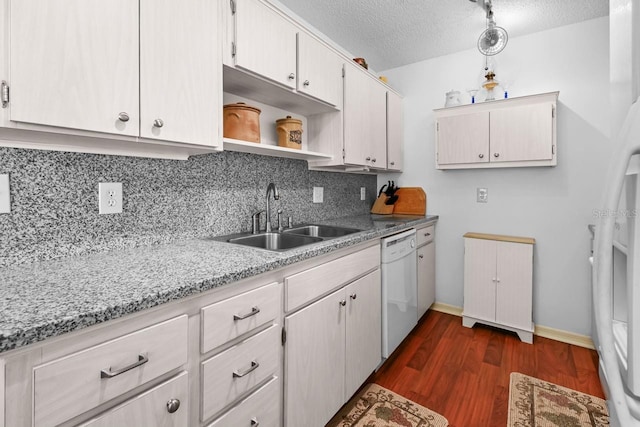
x: 452, y: 98
x: 241, y: 121
x: 289, y: 132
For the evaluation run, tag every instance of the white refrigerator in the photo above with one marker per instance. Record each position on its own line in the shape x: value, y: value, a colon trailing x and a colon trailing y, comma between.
x: 616, y: 266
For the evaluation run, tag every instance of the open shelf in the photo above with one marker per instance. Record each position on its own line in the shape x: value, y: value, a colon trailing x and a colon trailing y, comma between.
x: 272, y: 150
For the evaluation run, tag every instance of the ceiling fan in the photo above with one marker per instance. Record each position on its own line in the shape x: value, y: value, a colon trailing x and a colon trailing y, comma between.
x: 494, y: 38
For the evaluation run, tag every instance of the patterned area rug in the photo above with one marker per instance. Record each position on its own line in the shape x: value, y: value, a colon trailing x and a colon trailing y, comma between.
x: 537, y: 403
x: 375, y: 406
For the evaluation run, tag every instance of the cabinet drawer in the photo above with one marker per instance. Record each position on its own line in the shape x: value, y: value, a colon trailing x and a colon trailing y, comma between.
x: 261, y: 408
x: 150, y: 408
x: 74, y: 384
x: 308, y: 285
x: 228, y: 319
x: 425, y: 235
x: 239, y: 369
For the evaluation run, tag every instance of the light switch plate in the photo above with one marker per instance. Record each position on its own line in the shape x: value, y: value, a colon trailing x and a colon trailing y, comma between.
x: 5, y: 195
x: 482, y: 195
x: 318, y: 194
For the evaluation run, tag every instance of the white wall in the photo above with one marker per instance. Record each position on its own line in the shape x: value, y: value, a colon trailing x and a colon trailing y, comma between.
x: 553, y: 204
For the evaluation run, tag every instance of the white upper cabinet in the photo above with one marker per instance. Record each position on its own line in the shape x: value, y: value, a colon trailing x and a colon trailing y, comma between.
x: 319, y: 70
x: 116, y: 68
x: 395, y: 132
x: 74, y: 64
x: 180, y: 71
x: 265, y: 42
x: 507, y: 133
x: 365, y: 118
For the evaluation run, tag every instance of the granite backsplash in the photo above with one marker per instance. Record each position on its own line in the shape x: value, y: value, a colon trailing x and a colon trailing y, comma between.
x: 54, y: 199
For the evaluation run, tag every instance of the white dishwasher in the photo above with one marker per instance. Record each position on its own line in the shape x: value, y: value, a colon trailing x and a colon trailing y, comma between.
x: 399, y: 289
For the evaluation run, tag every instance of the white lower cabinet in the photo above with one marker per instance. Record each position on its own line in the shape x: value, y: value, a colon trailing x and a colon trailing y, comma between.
x: 498, y: 282
x: 426, y: 253
x: 163, y: 406
x: 332, y: 346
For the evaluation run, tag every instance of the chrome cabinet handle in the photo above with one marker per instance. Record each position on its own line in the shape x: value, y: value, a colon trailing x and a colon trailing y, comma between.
x: 108, y: 373
x: 392, y: 163
x: 420, y: 256
x: 253, y: 367
x: 254, y: 422
x: 158, y: 123
x: 254, y: 311
x: 481, y: 156
x: 368, y: 158
x: 173, y: 405
x: 373, y: 160
x: 496, y: 155
x: 427, y: 234
x: 306, y: 83
x: 292, y: 76
x: 342, y: 303
x: 123, y: 117
x: 353, y: 296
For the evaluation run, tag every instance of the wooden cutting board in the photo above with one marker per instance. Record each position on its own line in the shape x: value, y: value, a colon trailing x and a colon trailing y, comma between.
x: 411, y: 201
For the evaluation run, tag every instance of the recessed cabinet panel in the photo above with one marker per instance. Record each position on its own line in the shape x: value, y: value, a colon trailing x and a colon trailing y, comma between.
x: 74, y: 64
x: 365, y: 117
x: 480, y: 279
x: 180, y: 73
x: 515, y: 271
x: 319, y: 70
x: 265, y: 42
x: 463, y: 139
x: 522, y: 133
x: 315, y: 362
x: 395, y: 132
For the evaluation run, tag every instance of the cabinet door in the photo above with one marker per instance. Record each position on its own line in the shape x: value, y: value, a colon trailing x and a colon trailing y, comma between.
x: 314, y: 362
x: 395, y: 132
x: 522, y: 133
x: 463, y: 139
x: 426, y: 277
x: 480, y: 279
x: 365, y: 117
x: 150, y: 408
x: 265, y: 42
x: 364, y: 330
x: 319, y: 70
x: 74, y: 64
x: 514, y: 286
x: 180, y: 71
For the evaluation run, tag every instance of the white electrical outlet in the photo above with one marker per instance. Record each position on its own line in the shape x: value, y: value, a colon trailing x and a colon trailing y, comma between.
x: 110, y: 197
x: 363, y: 193
x: 5, y: 195
x: 318, y: 194
x: 482, y: 195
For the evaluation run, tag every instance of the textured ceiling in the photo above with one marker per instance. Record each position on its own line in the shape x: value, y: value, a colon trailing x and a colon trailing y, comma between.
x: 391, y: 33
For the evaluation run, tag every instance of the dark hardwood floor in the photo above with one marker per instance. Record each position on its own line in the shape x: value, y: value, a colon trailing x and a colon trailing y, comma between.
x: 463, y: 373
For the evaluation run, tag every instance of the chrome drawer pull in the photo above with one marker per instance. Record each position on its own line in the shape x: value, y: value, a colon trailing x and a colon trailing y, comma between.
x: 254, y: 422
x: 420, y: 256
x: 173, y: 405
x: 108, y: 373
x: 254, y: 311
x: 254, y: 366
x: 427, y: 234
x: 353, y: 296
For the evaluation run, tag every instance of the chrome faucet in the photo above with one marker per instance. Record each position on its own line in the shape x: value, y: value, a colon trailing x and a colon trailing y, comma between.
x: 270, y: 188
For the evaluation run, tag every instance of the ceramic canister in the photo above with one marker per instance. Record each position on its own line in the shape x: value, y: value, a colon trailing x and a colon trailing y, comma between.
x: 289, y: 132
x: 241, y: 121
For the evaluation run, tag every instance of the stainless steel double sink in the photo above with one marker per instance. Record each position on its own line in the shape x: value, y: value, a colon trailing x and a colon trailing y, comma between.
x: 289, y: 238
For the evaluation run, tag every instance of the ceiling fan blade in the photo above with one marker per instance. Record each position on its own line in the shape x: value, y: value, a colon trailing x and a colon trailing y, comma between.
x: 492, y: 41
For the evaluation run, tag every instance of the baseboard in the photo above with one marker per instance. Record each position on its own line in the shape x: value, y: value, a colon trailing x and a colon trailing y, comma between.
x: 564, y: 336
x: 541, y: 331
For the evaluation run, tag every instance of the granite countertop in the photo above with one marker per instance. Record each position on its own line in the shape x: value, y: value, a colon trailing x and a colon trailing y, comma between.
x: 49, y: 298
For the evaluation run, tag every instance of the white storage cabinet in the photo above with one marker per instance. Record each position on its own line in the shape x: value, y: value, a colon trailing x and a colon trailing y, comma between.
x: 498, y: 282
x: 512, y: 132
